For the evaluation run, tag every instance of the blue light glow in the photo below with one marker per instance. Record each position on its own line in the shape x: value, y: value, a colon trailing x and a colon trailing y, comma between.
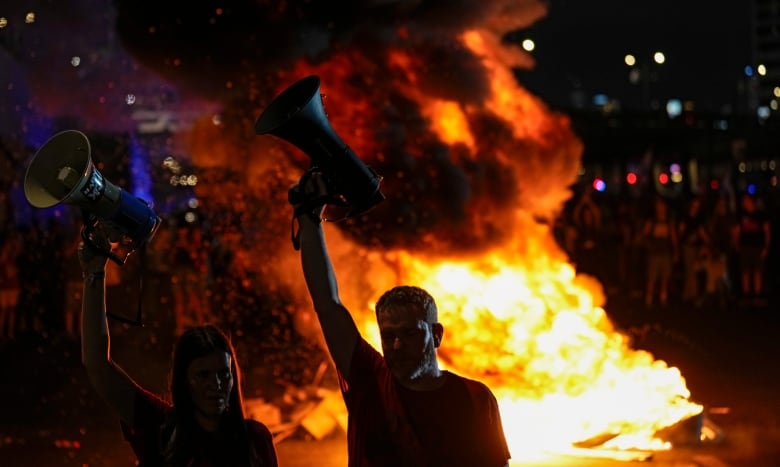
x: 141, y: 179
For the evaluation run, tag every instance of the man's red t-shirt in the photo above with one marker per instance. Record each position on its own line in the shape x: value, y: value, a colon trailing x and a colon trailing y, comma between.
x: 151, y: 413
x: 457, y: 425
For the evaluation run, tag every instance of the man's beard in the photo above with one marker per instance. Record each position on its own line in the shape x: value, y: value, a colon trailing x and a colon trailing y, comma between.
x: 425, y: 365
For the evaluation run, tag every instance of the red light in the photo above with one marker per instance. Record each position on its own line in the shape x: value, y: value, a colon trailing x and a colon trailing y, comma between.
x: 714, y: 185
x: 631, y: 178
x: 663, y: 178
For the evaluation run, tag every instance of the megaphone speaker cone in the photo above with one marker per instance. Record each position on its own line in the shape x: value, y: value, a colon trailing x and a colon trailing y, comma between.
x: 286, y: 105
x: 57, y: 169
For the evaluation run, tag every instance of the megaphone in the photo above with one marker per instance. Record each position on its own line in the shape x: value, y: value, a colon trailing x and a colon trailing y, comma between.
x: 61, y: 171
x: 297, y: 116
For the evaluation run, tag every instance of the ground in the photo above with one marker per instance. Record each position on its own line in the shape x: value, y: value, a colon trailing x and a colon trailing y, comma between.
x: 50, y: 416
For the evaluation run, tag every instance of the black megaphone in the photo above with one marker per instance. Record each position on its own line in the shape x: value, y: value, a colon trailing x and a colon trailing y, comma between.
x: 297, y: 116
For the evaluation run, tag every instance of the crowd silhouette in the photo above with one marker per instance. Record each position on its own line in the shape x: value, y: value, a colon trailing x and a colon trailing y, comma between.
x: 693, y: 249
x: 708, y: 249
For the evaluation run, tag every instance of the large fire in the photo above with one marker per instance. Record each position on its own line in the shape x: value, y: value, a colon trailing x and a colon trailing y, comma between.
x: 516, y: 313
x: 474, y: 166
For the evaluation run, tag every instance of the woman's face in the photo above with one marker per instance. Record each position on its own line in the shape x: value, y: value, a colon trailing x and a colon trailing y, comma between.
x: 210, y: 381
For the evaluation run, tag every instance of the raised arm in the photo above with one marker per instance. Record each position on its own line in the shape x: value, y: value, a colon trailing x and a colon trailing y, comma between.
x: 338, y: 326
x: 108, y: 379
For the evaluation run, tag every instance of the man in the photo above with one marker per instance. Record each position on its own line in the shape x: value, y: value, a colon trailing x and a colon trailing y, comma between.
x: 403, y: 410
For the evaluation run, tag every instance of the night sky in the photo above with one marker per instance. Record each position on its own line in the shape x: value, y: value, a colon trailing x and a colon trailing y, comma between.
x: 579, y: 44
x: 582, y: 44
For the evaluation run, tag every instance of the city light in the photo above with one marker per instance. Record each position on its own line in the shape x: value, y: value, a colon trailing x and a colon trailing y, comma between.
x: 630, y: 60
x: 631, y: 178
x: 673, y: 108
x: 663, y: 178
x: 599, y: 185
x: 528, y: 45
x: 659, y: 58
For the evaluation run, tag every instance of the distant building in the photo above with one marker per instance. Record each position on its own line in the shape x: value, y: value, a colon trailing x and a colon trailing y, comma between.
x: 765, y: 18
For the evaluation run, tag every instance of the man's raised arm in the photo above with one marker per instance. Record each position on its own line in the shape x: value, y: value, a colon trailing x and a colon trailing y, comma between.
x: 337, y: 325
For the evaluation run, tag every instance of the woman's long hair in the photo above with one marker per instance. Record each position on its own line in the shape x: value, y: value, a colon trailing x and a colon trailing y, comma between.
x: 177, y: 435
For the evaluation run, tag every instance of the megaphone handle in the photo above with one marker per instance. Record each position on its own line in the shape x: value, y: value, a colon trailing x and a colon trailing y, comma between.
x: 295, y: 235
x: 122, y: 319
x: 107, y: 253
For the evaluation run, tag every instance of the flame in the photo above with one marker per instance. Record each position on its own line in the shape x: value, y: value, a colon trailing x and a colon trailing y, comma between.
x: 535, y: 332
x: 517, y: 315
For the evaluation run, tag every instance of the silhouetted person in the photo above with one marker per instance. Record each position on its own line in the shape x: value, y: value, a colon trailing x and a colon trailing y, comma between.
x: 10, y: 287
x: 753, y: 235
x: 403, y: 410
x: 630, y: 261
x: 588, y: 248
x: 30, y: 263
x: 721, y: 228
x: 204, y: 425
x: 693, y: 239
x: 660, y: 239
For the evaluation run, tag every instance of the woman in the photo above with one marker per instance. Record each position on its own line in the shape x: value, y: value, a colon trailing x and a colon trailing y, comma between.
x: 205, y: 424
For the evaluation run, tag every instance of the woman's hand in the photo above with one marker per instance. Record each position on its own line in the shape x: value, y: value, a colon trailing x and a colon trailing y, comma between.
x: 92, y: 257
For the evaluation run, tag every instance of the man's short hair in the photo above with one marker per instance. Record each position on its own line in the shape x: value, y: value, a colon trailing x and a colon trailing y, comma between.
x: 406, y: 296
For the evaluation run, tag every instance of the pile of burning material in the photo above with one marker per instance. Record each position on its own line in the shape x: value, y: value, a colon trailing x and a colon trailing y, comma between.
x: 313, y: 410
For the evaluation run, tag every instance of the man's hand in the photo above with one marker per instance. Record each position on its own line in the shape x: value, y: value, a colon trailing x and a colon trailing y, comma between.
x: 310, y: 195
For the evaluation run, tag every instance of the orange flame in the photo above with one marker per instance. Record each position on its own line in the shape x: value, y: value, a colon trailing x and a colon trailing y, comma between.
x: 535, y: 333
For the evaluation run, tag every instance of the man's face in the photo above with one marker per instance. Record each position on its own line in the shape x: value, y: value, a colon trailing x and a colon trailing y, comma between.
x: 408, y: 343
x: 210, y: 381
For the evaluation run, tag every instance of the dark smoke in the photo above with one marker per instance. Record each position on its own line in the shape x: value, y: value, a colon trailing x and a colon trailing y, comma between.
x: 205, y: 44
x: 241, y: 52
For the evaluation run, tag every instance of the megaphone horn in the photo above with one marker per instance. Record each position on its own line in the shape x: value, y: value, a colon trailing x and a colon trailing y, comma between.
x: 61, y: 171
x: 298, y: 117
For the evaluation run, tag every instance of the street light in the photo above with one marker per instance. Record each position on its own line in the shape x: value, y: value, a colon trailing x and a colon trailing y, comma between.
x: 644, y: 72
